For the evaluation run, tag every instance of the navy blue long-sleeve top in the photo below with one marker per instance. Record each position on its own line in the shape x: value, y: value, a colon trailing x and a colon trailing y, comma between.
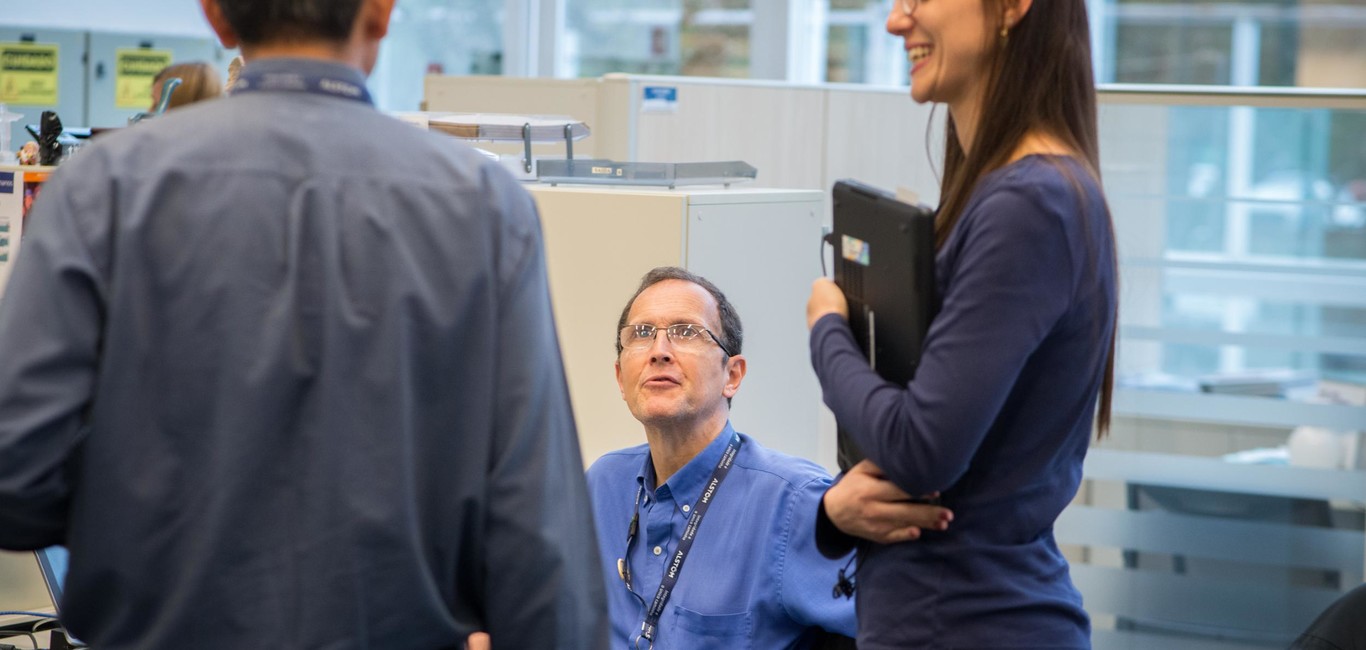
x: 998, y: 418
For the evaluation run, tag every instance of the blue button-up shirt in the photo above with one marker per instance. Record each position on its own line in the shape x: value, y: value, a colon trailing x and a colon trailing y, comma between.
x: 753, y: 579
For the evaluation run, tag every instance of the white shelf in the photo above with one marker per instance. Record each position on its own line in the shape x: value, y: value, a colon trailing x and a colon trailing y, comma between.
x: 1303, y: 343
x: 1216, y: 474
x: 1157, y: 531
x: 1236, y: 409
x: 1251, y: 264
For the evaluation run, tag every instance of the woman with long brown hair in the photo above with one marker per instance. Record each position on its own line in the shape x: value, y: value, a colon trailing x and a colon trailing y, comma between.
x: 999, y: 416
x: 199, y: 81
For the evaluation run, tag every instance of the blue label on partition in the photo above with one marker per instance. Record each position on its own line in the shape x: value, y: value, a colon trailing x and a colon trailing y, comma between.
x: 6, y: 182
x: 659, y: 99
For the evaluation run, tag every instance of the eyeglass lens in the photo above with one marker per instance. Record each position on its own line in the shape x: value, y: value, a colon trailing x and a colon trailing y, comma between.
x: 637, y: 336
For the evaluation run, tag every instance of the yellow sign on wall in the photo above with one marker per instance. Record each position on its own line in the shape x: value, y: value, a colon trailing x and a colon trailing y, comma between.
x: 134, y: 70
x: 28, y: 74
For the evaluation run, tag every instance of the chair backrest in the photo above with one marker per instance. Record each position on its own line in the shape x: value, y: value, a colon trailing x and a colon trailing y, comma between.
x: 1340, y: 627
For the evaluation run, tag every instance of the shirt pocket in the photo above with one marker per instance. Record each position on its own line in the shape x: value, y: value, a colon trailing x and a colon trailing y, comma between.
x: 696, y: 631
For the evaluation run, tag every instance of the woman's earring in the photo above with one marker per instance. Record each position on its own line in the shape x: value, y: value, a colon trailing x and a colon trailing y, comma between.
x: 1005, y: 31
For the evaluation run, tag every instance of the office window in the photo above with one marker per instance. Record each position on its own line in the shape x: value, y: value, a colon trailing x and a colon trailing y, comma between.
x: 714, y: 38
x: 1263, y: 187
x: 1285, y: 43
x: 689, y: 37
x: 1310, y: 43
x: 859, y: 49
x: 454, y: 37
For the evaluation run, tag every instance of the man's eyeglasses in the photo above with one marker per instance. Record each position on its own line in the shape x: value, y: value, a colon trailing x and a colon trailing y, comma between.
x: 907, y: 6
x: 683, y: 335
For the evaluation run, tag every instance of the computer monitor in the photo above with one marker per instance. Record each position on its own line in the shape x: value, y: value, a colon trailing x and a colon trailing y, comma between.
x: 884, y: 263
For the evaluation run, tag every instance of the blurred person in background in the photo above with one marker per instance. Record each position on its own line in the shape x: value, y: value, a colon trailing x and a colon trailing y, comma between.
x: 199, y: 80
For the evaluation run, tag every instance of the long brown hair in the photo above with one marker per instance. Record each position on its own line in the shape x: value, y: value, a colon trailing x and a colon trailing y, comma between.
x: 1039, y: 79
x: 199, y: 80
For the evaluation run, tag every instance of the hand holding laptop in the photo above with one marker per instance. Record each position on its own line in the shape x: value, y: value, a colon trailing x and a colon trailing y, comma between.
x: 826, y: 298
x: 867, y: 505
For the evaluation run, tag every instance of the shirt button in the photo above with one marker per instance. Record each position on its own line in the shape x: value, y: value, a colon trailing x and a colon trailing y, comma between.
x: 686, y: 508
x: 658, y: 550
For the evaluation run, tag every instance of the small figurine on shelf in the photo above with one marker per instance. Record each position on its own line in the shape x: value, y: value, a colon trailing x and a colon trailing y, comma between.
x: 49, y: 130
x: 28, y: 154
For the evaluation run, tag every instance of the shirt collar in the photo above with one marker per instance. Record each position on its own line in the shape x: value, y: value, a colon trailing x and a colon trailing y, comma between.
x: 303, y: 66
x: 686, y: 484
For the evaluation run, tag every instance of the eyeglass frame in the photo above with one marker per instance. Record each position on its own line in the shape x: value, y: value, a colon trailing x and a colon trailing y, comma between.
x: 907, y: 7
x: 669, y: 335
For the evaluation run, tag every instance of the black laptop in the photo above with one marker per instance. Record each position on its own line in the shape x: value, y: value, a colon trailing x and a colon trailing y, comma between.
x: 884, y: 262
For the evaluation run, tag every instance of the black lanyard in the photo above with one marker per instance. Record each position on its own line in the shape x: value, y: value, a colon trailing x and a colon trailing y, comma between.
x: 252, y: 81
x: 666, y: 585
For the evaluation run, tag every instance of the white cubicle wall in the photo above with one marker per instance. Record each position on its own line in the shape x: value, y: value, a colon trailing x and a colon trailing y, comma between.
x: 798, y: 137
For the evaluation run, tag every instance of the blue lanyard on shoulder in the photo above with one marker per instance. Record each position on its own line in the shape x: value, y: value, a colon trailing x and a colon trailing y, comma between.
x: 316, y: 84
x: 675, y: 567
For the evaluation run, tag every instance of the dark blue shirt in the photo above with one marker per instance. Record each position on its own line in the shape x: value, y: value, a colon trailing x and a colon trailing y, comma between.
x: 753, y: 579
x: 281, y: 371
x: 998, y: 418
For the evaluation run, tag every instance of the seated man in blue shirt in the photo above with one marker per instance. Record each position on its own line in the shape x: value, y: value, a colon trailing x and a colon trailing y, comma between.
x: 707, y: 538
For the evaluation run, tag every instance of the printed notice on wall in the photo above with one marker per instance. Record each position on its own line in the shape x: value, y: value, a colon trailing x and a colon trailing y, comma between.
x: 134, y: 70
x: 28, y: 74
x: 659, y: 99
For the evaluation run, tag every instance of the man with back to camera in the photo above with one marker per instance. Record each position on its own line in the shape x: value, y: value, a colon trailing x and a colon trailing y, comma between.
x: 706, y: 537
x: 281, y: 372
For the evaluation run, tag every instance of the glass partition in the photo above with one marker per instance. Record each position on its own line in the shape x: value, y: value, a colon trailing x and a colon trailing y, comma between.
x: 1226, y: 509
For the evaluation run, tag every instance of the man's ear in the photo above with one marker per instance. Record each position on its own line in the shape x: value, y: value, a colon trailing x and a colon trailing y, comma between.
x: 374, y: 18
x: 735, y: 373
x: 620, y: 387
x: 219, y: 23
